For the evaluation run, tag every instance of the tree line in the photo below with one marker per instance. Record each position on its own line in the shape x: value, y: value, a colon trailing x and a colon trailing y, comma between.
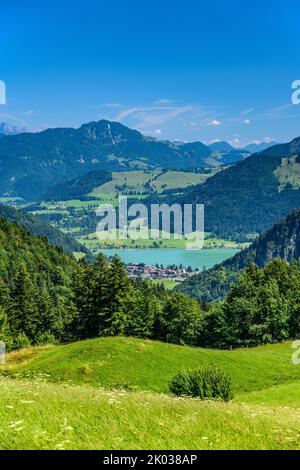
x: 45, y: 296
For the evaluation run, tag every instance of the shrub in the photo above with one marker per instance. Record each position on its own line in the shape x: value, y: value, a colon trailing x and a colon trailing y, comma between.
x: 45, y: 338
x: 20, y: 341
x: 209, y: 383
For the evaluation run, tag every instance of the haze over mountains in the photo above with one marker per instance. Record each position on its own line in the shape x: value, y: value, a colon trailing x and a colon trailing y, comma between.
x: 254, y: 148
x: 30, y: 163
x: 9, y: 129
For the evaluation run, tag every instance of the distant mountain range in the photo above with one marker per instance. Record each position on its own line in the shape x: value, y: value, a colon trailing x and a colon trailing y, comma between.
x: 10, y: 129
x: 281, y: 241
x: 223, y: 147
x: 247, y: 198
x: 31, y: 163
x: 254, y: 148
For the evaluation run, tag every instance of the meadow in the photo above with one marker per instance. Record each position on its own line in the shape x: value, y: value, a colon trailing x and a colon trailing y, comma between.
x: 77, y: 216
x: 37, y: 415
x: 92, y: 394
x: 149, y: 365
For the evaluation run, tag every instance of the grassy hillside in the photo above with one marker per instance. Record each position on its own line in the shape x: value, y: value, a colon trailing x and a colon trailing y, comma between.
x: 279, y: 395
x: 92, y: 394
x: 77, y: 187
x: 149, y: 365
x: 36, y: 415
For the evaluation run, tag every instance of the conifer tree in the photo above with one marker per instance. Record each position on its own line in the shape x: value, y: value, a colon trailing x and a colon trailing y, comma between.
x: 146, y: 309
x: 45, y: 318
x: 23, y: 317
x: 120, y: 300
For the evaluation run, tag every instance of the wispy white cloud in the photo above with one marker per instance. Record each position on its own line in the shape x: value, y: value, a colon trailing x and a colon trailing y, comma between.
x: 155, y: 132
x: 124, y: 114
x: 162, y: 116
x: 190, y: 120
x: 162, y: 102
x: 286, y: 111
x: 246, y: 111
x: 214, y: 122
x: 107, y: 105
x: 12, y: 118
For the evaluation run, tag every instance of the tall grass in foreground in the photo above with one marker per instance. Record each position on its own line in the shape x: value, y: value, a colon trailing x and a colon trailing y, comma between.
x: 36, y: 415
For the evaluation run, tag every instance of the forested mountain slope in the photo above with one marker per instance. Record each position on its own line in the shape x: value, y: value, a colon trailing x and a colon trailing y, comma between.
x: 78, y: 187
x: 248, y: 198
x: 30, y: 163
x: 36, y: 226
x: 281, y: 241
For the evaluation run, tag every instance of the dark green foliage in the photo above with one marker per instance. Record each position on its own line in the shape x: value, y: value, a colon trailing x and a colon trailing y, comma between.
x: 46, y: 296
x: 263, y: 307
x: 109, y: 303
x: 23, y: 312
x: 180, y: 321
x: 281, y: 241
x: 245, y: 199
x: 33, y: 277
x: 144, y: 318
x: 120, y: 299
x: 37, y: 227
x: 78, y: 187
x: 104, y: 298
x: 209, y: 383
x: 58, y: 155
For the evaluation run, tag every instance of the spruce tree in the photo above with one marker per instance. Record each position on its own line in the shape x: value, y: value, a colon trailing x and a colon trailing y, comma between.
x: 146, y: 309
x: 24, y: 315
x: 120, y: 300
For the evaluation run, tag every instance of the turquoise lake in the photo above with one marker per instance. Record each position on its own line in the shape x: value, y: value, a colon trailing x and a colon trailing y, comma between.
x: 194, y: 258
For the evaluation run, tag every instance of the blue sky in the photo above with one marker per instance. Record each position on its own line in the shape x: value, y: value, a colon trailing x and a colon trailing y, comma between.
x: 191, y: 70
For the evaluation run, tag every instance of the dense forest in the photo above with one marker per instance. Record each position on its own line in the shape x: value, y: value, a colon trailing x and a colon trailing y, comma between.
x: 77, y: 188
x: 46, y: 296
x: 248, y: 198
x: 35, y: 286
x: 281, y: 241
x: 36, y: 226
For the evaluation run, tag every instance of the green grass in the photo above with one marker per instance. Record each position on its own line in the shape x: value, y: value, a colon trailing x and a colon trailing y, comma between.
x: 287, y: 394
x: 10, y: 200
x: 149, y: 365
x: 288, y: 173
x: 169, y: 284
x: 139, y: 181
x: 134, y: 180
x: 36, y: 415
x: 179, y: 180
x: 112, y: 393
x: 92, y: 242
